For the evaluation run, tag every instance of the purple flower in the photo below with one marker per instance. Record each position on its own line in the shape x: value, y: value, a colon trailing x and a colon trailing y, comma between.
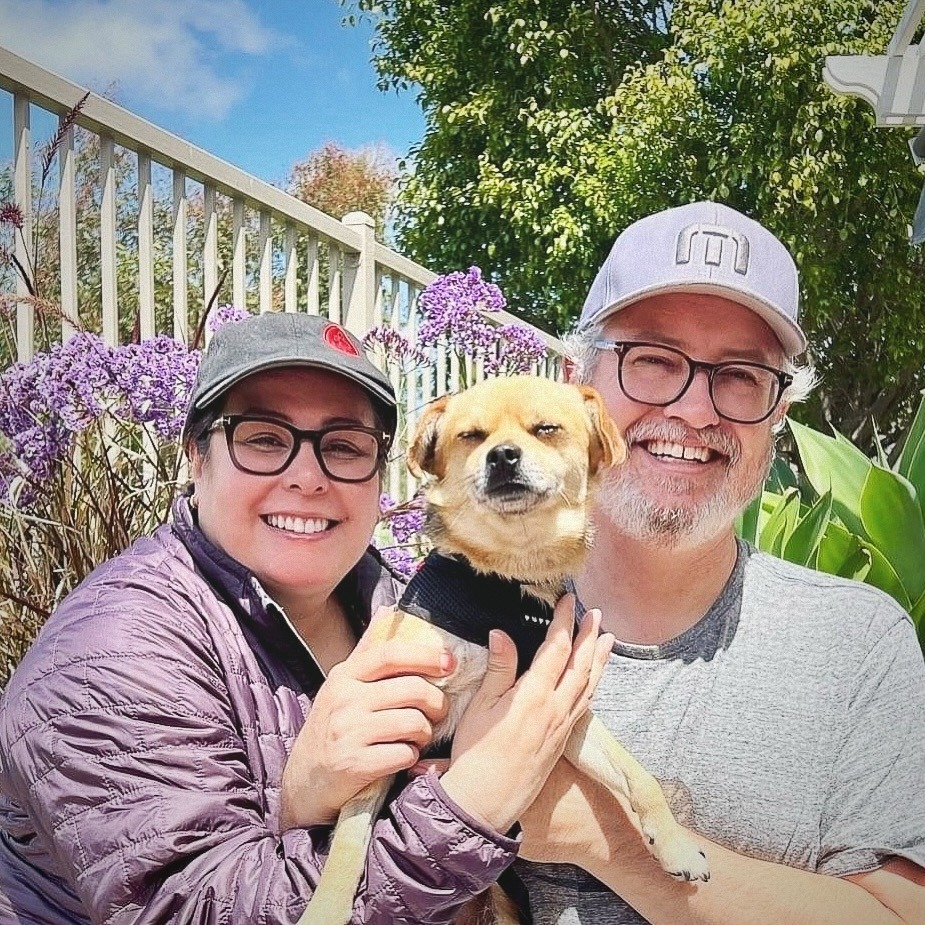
x: 400, y: 560
x: 155, y: 380
x: 226, y: 314
x: 456, y: 309
x: 11, y: 214
x: 46, y: 402
x: 395, y: 345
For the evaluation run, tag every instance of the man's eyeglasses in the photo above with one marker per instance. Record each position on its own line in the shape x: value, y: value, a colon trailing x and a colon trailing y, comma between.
x: 265, y: 446
x: 745, y: 393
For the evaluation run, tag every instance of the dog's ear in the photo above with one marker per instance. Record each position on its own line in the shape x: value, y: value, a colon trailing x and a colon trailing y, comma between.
x: 423, y: 450
x: 607, y: 446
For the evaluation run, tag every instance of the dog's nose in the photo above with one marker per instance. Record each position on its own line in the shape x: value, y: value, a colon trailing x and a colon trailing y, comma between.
x: 502, y: 460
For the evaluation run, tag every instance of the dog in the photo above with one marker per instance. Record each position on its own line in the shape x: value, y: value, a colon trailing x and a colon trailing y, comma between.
x: 510, y: 467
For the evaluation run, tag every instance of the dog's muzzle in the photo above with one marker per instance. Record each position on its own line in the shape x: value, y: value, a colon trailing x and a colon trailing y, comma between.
x: 502, y: 468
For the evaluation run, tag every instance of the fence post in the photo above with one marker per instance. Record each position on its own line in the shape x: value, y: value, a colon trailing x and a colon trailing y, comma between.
x: 22, y: 184
x: 360, y: 276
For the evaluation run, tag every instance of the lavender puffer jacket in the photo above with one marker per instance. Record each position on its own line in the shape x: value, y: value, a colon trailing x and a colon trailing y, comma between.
x: 142, y: 744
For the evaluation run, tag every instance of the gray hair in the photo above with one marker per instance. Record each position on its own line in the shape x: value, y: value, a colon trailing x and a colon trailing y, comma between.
x: 583, y: 357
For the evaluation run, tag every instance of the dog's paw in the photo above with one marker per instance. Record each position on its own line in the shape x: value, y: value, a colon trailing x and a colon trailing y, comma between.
x: 681, y: 857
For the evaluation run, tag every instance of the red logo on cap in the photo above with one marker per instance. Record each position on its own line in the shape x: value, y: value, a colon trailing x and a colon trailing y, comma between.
x: 336, y: 337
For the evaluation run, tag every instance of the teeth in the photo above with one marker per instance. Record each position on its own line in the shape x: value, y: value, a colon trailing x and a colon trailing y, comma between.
x: 678, y: 451
x: 297, y: 524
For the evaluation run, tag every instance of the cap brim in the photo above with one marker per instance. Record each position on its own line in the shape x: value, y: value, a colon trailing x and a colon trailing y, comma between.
x: 790, y: 335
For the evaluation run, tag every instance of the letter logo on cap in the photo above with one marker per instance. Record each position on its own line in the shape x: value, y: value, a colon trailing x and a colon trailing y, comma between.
x: 714, y: 238
x: 337, y: 338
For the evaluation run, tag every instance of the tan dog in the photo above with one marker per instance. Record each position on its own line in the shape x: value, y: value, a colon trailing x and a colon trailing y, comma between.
x: 511, y: 465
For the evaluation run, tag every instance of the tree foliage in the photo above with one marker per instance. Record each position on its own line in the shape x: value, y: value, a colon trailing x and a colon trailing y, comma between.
x: 552, y: 124
x: 339, y: 181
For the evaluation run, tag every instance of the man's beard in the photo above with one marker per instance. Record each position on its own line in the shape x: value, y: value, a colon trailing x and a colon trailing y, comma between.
x: 628, y: 503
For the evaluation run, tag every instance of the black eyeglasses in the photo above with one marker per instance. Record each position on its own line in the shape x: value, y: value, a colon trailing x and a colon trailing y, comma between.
x: 265, y: 446
x: 742, y: 392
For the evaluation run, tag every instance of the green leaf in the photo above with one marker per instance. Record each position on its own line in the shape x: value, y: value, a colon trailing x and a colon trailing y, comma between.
x: 912, y: 459
x: 747, y: 521
x: 892, y: 520
x: 835, y: 466
x: 844, y: 553
x: 781, y: 477
x: 780, y: 525
x: 804, y: 542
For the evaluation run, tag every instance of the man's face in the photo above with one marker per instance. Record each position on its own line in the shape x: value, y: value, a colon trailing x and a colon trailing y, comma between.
x: 688, y: 472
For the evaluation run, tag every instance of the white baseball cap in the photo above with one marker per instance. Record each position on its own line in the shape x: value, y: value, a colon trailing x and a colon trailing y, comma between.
x: 704, y: 247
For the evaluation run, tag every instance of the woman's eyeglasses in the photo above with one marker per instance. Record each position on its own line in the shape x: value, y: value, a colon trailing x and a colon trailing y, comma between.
x: 265, y: 446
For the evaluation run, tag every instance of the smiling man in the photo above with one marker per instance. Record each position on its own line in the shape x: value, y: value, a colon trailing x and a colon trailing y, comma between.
x: 779, y: 707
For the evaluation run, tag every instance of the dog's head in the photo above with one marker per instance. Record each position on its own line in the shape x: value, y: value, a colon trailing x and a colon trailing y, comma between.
x: 511, y: 461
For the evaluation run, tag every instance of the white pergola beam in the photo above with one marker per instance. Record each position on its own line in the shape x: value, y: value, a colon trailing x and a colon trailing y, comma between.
x: 894, y: 83
x: 909, y: 22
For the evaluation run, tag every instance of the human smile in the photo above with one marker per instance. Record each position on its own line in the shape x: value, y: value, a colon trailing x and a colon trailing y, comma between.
x: 299, y: 525
x: 667, y: 449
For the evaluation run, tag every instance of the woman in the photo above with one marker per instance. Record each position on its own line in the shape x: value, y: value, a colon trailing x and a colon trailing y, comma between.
x: 177, y: 742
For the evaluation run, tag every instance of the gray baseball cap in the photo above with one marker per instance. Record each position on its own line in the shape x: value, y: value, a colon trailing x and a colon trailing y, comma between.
x: 704, y: 247
x: 276, y: 339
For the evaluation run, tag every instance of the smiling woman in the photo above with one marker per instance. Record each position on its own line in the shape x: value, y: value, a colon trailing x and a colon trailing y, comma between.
x: 203, y: 704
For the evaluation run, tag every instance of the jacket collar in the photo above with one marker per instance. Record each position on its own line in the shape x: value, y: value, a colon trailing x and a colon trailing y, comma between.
x: 370, y: 584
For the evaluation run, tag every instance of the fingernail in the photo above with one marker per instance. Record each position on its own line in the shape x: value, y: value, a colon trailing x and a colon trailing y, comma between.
x: 494, y: 642
x: 447, y: 662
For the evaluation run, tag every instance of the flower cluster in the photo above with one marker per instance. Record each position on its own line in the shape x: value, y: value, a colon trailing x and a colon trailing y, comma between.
x: 154, y: 381
x: 226, y: 314
x: 402, y: 541
x: 11, y: 214
x: 395, y: 345
x: 520, y: 348
x: 456, y: 309
x: 46, y: 402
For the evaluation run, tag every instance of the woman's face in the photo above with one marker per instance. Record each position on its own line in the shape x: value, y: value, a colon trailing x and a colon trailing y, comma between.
x: 246, y: 514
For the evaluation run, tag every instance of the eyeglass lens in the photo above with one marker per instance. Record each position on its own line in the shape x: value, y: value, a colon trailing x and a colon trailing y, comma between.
x: 265, y: 448
x: 660, y: 375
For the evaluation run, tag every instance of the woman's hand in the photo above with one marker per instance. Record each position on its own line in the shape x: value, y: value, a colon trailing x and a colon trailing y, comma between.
x: 372, y: 717
x: 513, y: 732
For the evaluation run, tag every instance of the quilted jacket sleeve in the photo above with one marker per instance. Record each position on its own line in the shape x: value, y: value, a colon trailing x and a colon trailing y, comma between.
x: 121, y: 743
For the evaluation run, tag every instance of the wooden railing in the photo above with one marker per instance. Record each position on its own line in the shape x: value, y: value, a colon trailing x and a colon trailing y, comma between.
x: 304, y: 259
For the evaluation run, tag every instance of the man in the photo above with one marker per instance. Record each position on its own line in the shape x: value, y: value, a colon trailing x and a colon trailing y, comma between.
x: 782, y: 709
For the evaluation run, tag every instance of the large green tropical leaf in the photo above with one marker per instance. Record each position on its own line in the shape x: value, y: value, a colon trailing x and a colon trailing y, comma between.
x: 781, y: 523
x: 892, y: 521
x: 912, y: 459
x: 879, y: 505
x: 835, y: 466
x: 747, y: 521
x: 804, y: 542
x: 844, y: 553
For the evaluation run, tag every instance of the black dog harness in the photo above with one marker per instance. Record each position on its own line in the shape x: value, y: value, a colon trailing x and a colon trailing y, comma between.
x: 450, y: 593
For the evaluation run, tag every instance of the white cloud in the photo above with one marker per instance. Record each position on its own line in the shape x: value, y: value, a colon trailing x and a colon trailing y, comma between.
x: 163, y: 52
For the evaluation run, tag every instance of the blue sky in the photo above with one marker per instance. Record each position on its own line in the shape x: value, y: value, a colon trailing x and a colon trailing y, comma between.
x: 259, y: 84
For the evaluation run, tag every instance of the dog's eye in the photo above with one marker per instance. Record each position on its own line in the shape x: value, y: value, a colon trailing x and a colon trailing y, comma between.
x: 546, y: 430
x: 473, y: 436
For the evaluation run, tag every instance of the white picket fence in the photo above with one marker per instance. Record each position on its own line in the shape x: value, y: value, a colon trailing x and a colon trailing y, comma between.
x: 305, y: 260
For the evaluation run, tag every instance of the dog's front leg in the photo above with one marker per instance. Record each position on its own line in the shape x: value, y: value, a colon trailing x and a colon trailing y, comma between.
x: 595, y: 752
x: 332, y: 901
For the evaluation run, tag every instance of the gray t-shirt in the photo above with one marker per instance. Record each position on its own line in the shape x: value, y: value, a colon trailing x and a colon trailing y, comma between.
x: 788, y: 724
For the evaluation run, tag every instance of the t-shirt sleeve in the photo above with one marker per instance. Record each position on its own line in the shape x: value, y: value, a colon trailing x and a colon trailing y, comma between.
x: 875, y: 807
